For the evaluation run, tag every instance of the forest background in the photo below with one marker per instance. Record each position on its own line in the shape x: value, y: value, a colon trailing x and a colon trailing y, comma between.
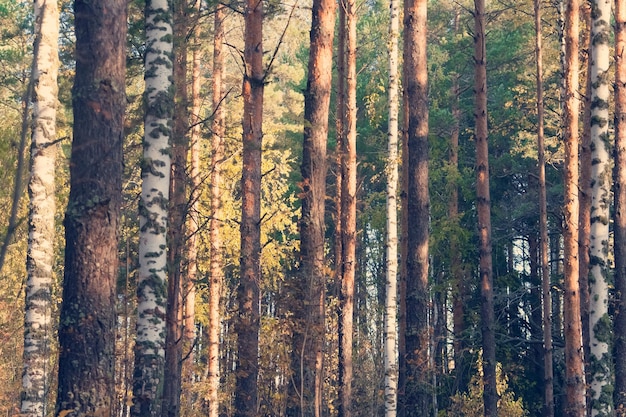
x: 454, y: 301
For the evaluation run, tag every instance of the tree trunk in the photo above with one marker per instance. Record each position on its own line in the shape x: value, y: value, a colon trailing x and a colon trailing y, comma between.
x: 574, y: 365
x: 176, y: 217
x: 87, y: 323
x: 310, y: 343
x: 548, y: 373
x: 41, y: 227
x: 417, y: 396
x: 193, y: 218
x: 153, y: 215
x: 600, y: 359
x: 584, y: 191
x: 490, y: 395
x: 216, y: 263
x: 619, y: 179
x: 348, y: 217
x: 246, y: 402
x: 391, y: 287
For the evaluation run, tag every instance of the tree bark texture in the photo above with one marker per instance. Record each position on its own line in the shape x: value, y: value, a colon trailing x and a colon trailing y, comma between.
x: 490, y: 395
x: 246, y: 402
x: 310, y: 342
x: 148, y: 378
x: 42, y: 208
x: 619, y: 180
x: 86, y: 383
x: 600, y: 358
x: 391, y: 284
x: 417, y: 395
x: 574, y: 362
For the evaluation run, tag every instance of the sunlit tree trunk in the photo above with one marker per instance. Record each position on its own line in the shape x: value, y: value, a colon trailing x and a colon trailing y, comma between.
x: 216, y: 274
x: 574, y: 365
x: 619, y: 180
x: 176, y: 216
x: 148, y: 376
x: 41, y: 229
x: 193, y: 218
x: 86, y: 383
x: 248, y: 321
x: 600, y: 360
x: 417, y: 395
x: 348, y: 216
x: 391, y: 287
x: 490, y: 395
x: 546, y: 298
x: 309, y: 342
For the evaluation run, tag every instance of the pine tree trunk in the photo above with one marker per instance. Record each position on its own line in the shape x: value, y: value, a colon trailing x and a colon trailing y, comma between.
x: 548, y: 373
x: 248, y: 325
x: 41, y: 227
x: 417, y: 395
x: 193, y: 218
x: 619, y: 180
x: 600, y: 359
x: 310, y: 343
x: 348, y: 217
x: 490, y: 395
x: 148, y: 376
x: 216, y: 263
x: 176, y: 217
x: 574, y: 364
x: 87, y: 323
x: 391, y: 284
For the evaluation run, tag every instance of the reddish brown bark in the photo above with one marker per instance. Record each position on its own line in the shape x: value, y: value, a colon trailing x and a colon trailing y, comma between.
x: 87, y: 327
x: 248, y: 321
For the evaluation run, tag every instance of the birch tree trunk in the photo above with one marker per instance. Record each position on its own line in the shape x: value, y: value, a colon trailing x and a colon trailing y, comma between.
x: 600, y: 359
x: 86, y: 384
x: 546, y: 298
x: 148, y: 378
x: 574, y: 363
x: 391, y: 290
x: 619, y: 180
x: 490, y: 395
x: 417, y: 396
x: 216, y: 263
x: 248, y: 320
x: 41, y: 229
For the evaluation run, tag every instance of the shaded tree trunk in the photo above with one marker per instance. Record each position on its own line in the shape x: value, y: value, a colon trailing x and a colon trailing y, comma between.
x: 417, y: 372
x: 42, y: 208
x: 490, y: 395
x: 348, y: 216
x: 619, y: 180
x: 574, y: 362
x: 248, y: 320
x: 176, y: 217
x: 546, y: 298
x: 87, y: 323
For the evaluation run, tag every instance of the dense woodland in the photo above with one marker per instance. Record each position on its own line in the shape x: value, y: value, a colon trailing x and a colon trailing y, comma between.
x: 312, y: 208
